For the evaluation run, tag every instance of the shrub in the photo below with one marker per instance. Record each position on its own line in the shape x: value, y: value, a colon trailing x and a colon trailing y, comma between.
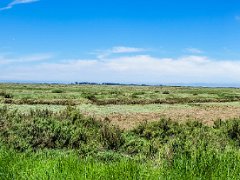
x: 6, y: 95
x: 45, y: 129
x: 134, y: 96
x: 166, y: 92
x: 57, y: 91
x: 112, y: 137
x: 234, y: 131
x: 90, y: 97
x: 2, y: 93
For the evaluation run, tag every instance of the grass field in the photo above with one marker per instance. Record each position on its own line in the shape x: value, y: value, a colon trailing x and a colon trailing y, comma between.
x: 118, y: 132
x: 127, y: 106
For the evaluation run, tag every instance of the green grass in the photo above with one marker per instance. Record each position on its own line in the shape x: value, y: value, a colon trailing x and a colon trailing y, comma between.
x: 44, y: 144
x: 59, y: 165
x: 105, y: 95
x: 44, y: 135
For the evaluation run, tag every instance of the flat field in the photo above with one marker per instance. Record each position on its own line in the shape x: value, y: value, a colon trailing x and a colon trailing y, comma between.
x: 127, y: 106
x: 118, y: 132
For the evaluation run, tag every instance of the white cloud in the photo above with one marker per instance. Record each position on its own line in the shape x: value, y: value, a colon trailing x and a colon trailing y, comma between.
x: 119, y: 50
x: 35, y: 57
x: 193, y: 50
x: 130, y: 69
x: 9, y: 59
x: 16, y: 2
x: 122, y: 49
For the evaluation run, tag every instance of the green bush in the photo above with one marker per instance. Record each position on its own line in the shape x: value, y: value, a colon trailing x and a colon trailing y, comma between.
x: 6, y: 95
x: 57, y: 91
x: 165, y: 92
x: 90, y: 97
x: 46, y: 129
x: 112, y: 137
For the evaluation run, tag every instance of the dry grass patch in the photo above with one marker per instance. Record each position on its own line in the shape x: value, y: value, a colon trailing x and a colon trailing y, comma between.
x: 207, y: 115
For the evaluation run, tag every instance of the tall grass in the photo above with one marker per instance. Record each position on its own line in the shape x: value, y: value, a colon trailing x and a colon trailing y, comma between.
x: 62, y: 165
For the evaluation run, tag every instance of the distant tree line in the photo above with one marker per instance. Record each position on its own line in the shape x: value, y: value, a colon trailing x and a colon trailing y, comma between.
x: 109, y: 83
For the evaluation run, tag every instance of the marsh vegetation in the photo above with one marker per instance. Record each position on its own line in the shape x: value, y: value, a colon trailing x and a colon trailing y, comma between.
x: 42, y: 137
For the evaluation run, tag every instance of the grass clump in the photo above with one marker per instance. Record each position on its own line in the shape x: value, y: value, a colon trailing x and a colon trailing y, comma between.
x: 90, y: 97
x: 165, y: 92
x: 57, y: 91
x: 6, y: 95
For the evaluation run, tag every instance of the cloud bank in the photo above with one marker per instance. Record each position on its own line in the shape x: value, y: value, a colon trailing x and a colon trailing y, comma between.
x: 129, y: 69
x: 16, y: 2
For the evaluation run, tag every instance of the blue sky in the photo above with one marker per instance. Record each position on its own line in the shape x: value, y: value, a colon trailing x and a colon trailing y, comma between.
x: 137, y: 41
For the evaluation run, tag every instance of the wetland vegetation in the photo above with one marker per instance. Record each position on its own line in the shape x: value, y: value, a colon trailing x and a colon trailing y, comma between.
x: 136, y: 132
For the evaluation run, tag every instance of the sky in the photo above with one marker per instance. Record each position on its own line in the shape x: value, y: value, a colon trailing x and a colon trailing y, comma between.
x: 126, y: 41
